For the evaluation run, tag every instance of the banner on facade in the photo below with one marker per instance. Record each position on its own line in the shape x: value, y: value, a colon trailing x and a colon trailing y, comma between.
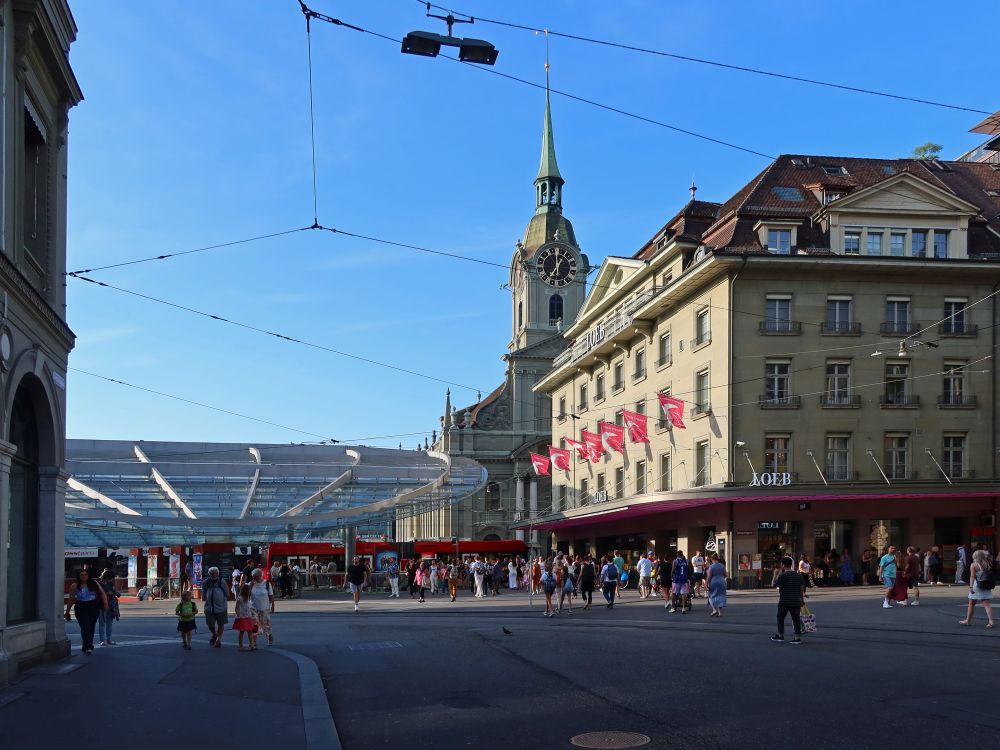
x: 196, y: 565
x: 541, y: 464
x: 80, y: 552
x: 673, y: 409
x: 636, y: 423
x: 560, y: 458
x: 579, y: 447
x: 595, y: 445
x: 133, y: 571
x: 613, y: 435
x: 175, y: 566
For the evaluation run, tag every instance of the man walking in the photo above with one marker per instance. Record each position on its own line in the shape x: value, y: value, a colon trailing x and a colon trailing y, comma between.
x: 454, y: 577
x: 357, y: 579
x: 789, y: 585
x: 913, y: 572
x: 698, y: 578
x: 679, y: 582
x: 392, y: 572
x: 609, y: 581
x: 619, y: 562
x: 887, y: 572
x: 645, y: 568
x: 215, y: 598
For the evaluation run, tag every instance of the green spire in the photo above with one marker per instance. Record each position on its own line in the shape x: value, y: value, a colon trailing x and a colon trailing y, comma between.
x: 548, y: 169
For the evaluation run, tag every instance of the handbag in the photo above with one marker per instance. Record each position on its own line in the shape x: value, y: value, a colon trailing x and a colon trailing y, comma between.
x: 808, y: 620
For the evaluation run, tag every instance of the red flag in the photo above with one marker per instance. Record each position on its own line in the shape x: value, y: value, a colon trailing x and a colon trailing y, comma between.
x: 541, y: 464
x: 614, y: 434
x: 673, y: 409
x: 636, y: 424
x: 579, y: 447
x: 560, y: 458
x: 595, y: 446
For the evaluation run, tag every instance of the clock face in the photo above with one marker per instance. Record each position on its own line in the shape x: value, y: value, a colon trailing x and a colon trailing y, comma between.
x: 556, y: 265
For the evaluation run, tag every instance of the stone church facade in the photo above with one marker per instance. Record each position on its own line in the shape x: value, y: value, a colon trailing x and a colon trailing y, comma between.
x: 548, y: 277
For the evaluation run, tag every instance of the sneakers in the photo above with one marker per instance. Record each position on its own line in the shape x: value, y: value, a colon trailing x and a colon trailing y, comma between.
x: 796, y: 641
x: 355, y: 607
x: 915, y: 604
x: 905, y: 603
x: 778, y: 638
x: 886, y: 605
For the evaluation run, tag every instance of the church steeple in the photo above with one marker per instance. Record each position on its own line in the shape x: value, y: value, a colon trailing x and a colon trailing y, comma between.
x: 548, y: 183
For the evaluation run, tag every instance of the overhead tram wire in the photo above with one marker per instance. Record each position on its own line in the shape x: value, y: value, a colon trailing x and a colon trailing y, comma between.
x: 713, y: 63
x: 312, y: 112
x: 565, y: 94
x: 264, y: 331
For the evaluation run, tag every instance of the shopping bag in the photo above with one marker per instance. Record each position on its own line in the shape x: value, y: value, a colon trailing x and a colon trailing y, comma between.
x: 808, y: 620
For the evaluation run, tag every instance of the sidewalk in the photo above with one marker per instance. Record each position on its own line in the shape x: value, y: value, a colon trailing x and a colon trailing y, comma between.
x: 153, y: 694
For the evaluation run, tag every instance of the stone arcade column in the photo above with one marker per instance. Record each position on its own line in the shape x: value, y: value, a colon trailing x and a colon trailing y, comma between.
x: 51, y: 568
x: 6, y: 451
x: 519, y: 505
x: 350, y: 545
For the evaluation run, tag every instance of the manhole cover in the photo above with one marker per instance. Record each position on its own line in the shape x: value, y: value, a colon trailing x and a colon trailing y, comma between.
x: 610, y: 739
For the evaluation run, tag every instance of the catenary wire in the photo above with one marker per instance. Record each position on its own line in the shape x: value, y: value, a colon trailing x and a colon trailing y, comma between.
x: 312, y: 113
x: 566, y: 94
x: 714, y: 63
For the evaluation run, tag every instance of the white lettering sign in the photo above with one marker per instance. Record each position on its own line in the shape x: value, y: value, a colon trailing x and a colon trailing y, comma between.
x: 595, y: 336
x: 601, y: 496
x: 80, y: 552
x: 771, y: 479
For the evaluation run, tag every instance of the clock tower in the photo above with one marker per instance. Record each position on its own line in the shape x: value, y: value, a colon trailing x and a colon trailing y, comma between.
x: 548, y: 273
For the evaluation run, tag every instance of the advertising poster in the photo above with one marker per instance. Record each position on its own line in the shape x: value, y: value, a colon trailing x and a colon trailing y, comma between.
x: 133, y: 571
x: 151, y: 570
x: 196, y: 559
x: 175, y: 566
x: 757, y: 562
x: 385, y: 558
x: 744, y: 562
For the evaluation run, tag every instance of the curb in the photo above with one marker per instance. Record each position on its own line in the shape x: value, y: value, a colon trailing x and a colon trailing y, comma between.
x: 321, y: 732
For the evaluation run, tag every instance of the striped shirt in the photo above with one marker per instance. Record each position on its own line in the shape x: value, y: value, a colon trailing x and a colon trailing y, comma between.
x: 789, y: 585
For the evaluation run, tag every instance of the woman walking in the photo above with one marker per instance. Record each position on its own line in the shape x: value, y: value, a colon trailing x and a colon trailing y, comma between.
x: 588, y: 577
x: 111, y: 612
x: 981, y: 582
x: 246, y: 621
x: 262, y: 599
x: 512, y: 574
x: 568, y: 587
x: 549, y: 587
x: 716, y: 586
x: 846, y: 568
x: 420, y: 580
x: 87, y: 599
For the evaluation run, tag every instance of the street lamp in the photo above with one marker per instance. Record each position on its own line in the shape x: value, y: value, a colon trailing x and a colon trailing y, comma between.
x: 428, y: 44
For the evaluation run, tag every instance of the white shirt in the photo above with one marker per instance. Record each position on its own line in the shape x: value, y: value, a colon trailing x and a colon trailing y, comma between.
x: 645, y: 567
x: 260, y: 596
x: 698, y: 563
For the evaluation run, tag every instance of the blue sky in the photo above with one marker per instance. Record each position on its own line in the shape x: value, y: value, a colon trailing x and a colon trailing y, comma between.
x: 195, y: 131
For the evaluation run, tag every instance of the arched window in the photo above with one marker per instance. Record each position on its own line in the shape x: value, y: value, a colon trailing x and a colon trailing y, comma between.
x: 520, y: 315
x: 555, y: 308
x: 493, y: 499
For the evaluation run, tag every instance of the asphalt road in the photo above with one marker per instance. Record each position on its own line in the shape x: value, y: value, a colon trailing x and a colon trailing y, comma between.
x: 440, y: 675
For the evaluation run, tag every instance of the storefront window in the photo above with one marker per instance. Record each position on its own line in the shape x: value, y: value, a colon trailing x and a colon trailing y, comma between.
x: 887, y: 532
x: 775, y: 539
x: 831, y: 539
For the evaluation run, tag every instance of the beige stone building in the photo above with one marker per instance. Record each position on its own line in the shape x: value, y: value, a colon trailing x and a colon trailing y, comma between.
x: 830, y: 328
x: 39, y: 88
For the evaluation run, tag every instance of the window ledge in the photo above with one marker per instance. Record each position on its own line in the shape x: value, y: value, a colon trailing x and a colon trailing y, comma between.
x: 638, y: 378
x: 663, y: 364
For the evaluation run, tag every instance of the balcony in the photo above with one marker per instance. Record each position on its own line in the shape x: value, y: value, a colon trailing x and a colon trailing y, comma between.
x: 899, y: 401
x: 957, y: 328
x: 839, y: 401
x: 839, y: 328
x: 779, y: 402
x: 701, y: 339
x: 779, y: 327
x: 897, y: 328
x: 956, y: 401
x: 840, y: 474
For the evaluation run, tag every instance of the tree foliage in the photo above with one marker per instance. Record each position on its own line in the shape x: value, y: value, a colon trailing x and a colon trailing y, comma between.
x: 927, y: 151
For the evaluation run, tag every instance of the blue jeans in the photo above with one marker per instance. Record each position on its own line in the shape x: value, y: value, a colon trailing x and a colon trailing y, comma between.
x: 104, y: 622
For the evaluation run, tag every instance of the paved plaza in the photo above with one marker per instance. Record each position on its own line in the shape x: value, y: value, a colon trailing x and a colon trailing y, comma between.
x: 441, y: 675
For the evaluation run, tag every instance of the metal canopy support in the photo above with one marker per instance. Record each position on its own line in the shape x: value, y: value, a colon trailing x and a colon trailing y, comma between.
x: 821, y: 474
x: 943, y: 473
x: 163, y: 483
x: 871, y: 455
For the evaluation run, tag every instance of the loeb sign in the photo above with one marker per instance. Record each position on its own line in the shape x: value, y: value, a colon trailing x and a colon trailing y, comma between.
x: 771, y: 479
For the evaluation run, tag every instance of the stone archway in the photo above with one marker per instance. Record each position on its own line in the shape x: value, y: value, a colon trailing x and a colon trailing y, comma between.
x: 24, y: 503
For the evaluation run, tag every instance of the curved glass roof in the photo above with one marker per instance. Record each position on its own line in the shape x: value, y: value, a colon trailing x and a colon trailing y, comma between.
x: 137, y: 494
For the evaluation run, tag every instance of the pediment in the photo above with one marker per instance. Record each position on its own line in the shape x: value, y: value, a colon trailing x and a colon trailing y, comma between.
x: 902, y: 194
x: 613, y: 274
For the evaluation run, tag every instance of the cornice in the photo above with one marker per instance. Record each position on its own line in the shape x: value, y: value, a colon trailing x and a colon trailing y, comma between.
x: 15, y: 281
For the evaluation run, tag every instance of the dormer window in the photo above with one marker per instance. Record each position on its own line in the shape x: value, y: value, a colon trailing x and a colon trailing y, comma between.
x: 829, y: 196
x: 834, y: 170
x: 779, y: 241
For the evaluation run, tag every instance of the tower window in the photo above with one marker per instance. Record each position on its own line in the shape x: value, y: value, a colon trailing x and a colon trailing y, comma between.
x: 555, y: 309
x: 520, y: 315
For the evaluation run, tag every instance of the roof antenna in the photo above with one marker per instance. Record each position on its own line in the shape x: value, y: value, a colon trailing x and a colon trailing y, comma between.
x: 693, y: 188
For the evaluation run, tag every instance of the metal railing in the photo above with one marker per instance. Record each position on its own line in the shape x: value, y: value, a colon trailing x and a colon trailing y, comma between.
x: 780, y: 327
x: 898, y: 328
x: 779, y: 402
x: 839, y: 328
x: 956, y: 328
x: 702, y: 338
x: 840, y: 401
x: 899, y: 401
x: 957, y: 401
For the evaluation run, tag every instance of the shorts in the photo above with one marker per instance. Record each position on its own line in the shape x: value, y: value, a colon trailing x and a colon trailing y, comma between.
x: 913, y: 583
x: 356, y: 588
x: 699, y: 577
x: 679, y: 588
x: 215, y: 619
x: 889, y: 582
x: 186, y: 625
x: 643, y: 580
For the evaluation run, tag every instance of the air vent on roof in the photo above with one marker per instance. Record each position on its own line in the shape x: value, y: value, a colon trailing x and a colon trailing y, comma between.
x: 798, y: 163
x: 889, y: 169
x: 790, y: 194
x: 834, y: 169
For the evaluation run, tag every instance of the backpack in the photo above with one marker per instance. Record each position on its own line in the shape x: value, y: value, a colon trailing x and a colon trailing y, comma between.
x: 548, y: 582
x: 986, y: 579
x: 453, y: 573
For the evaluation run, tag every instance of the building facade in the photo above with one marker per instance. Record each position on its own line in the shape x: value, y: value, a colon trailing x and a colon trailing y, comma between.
x: 39, y: 89
x: 548, y: 275
x: 830, y: 329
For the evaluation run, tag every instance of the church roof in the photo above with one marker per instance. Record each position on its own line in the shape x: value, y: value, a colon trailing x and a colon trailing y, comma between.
x: 548, y: 167
x: 543, y: 228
